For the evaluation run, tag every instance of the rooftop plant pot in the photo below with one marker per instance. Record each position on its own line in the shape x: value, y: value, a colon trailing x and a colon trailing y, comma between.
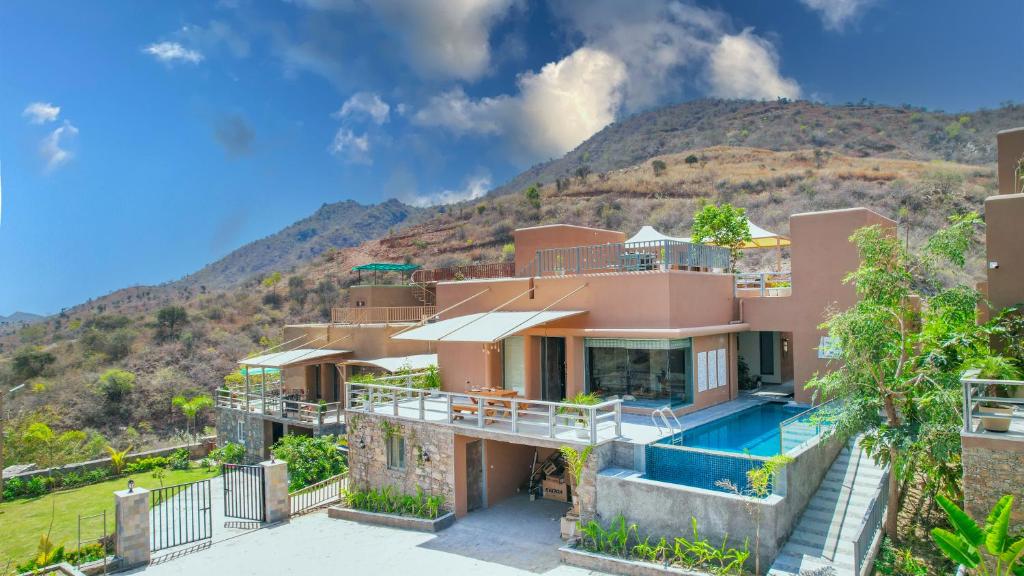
x: 991, y: 420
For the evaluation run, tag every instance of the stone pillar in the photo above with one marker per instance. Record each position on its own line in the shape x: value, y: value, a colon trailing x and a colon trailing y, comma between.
x: 275, y: 490
x: 132, y: 536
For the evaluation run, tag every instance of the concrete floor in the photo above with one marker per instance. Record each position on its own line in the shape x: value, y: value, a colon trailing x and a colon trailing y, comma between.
x: 516, y: 537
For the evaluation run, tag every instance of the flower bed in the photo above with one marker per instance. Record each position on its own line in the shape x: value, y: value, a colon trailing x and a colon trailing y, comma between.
x: 388, y: 507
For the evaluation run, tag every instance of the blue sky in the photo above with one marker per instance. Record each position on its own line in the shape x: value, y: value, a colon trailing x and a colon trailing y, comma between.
x: 141, y: 140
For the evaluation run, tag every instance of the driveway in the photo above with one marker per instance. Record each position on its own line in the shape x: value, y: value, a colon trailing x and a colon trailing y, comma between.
x: 516, y: 537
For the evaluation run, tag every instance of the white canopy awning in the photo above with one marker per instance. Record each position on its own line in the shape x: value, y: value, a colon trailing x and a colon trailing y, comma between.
x: 396, y: 363
x: 759, y: 237
x: 483, y: 326
x: 291, y: 357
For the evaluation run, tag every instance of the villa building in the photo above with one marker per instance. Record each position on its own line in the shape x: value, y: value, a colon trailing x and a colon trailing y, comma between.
x: 674, y: 346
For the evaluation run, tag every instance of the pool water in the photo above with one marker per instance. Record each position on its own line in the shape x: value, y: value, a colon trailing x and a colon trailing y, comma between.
x: 754, y: 430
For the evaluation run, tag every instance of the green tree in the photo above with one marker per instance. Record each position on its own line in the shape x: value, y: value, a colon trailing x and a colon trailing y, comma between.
x: 191, y: 407
x: 169, y: 322
x: 115, y: 384
x: 310, y: 459
x: 659, y: 167
x: 532, y: 195
x: 724, y: 226
x: 272, y: 281
x: 30, y: 362
x: 903, y: 346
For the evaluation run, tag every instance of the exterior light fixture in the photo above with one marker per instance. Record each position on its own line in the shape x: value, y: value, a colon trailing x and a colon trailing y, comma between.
x: 993, y: 265
x: 131, y: 486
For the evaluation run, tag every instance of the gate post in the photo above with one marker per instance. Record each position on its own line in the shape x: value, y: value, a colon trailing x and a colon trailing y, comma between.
x: 132, y: 539
x: 275, y: 491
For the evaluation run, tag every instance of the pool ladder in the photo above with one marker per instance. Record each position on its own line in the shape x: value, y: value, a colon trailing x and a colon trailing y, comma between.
x: 664, y: 413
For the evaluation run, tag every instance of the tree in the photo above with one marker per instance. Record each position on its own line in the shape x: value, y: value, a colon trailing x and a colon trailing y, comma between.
x: 659, y: 167
x: 169, y: 322
x: 724, y: 226
x: 582, y: 172
x: 30, y: 362
x: 272, y: 281
x: 692, y: 159
x: 532, y: 195
x: 190, y: 408
x: 903, y: 346
x: 115, y: 384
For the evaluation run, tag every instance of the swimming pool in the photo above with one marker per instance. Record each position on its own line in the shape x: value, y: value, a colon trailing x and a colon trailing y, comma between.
x: 754, y: 430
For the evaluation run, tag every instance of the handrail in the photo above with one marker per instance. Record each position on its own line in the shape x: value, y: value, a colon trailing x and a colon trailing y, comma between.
x: 972, y: 401
x: 870, y: 523
x: 521, y: 416
x: 626, y: 257
x: 274, y: 405
x: 381, y: 314
x: 465, y: 272
x: 766, y: 283
x: 317, y: 495
x: 797, y: 418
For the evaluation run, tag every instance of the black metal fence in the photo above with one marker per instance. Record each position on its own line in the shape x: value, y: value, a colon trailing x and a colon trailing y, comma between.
x: 243, y: 492
x: 180, y: 514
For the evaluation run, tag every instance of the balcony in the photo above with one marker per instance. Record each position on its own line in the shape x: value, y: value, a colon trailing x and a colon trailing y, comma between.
x: 467, y: 272
x: 764, y: 284
x: 382, y: 314
x: 283, y: 408
x: 574, y: 423
x: 987, y: 412
x: 627, y: 257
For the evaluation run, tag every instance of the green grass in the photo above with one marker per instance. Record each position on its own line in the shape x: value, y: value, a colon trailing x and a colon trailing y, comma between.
x: 22, y: 521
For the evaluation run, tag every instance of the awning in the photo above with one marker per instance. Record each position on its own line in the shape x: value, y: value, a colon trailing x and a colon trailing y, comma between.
x: 386, y: 267
x: 292, y: 357
x: 396, y: 363
x: 483, y: 326
x: 759, y: 237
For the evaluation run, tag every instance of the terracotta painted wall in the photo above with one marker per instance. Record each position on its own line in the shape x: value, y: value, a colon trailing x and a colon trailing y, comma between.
x: 382, y: 296
x: 821, y: 256
x: 1004, y: 241
x: 529, y: 240
x: 1011, y: 148
x: 507, y: 467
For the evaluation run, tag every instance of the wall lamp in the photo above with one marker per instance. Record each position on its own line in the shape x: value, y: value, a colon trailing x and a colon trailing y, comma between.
x: 131, y: 486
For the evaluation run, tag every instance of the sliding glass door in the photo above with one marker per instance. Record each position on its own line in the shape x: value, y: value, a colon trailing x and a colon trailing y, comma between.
x: 643, y: 372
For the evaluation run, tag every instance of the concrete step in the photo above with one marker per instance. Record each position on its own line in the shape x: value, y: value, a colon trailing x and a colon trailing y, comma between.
x: 837, y: 491
x: 839, y: 560
x: 789, y: 563
x: 830, y: 545
x: 829, y: 525
x: 844, y: 499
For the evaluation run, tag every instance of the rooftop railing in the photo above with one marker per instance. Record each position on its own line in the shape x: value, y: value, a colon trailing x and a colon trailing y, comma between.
x: 590, y: 424
x: 467, y: 272
x: 764, y: 284
x: 316, y: 413
x: 996, y: 413
x: 382, y: 314
x: 627, y: 257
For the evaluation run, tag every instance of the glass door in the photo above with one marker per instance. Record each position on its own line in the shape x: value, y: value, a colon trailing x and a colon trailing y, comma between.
x: 552, y: 368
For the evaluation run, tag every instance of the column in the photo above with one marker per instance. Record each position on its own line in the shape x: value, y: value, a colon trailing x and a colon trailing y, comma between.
x: 132, y: 541
x: 275, y: 490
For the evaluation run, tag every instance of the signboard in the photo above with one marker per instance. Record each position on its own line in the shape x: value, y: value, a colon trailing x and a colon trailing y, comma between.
x: 828, y: 348
x: 702, y: 371
x: 723, y: 377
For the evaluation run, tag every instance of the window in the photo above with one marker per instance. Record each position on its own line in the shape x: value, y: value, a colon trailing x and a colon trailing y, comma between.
x: 512, y: 357
x: 641, y: 372
x: 396, y: 452
x: 241, y: 431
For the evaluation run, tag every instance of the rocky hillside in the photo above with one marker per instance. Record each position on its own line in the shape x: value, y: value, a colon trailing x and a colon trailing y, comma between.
x: 854, y: 130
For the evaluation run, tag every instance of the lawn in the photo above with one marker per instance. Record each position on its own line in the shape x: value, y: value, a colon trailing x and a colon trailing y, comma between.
x: 22, y: 521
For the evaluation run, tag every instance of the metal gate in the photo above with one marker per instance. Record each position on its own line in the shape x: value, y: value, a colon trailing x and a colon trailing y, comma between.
x: 243, y: 492
x: 180, y: 514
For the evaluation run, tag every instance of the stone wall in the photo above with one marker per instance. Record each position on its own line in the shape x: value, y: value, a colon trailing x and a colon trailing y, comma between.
x: 429, y: 456
x: 603, y: 456
x: 992, y: 468
x: 227, y: 431
x: 196, y: 451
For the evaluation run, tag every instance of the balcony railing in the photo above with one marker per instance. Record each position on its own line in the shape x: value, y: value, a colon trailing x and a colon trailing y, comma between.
x: 467, y: 272
x: 996, y: 413
x: 764, y: 284
x: 627, y: 257
x: 381, y: 314
x: 511, y: 415
x: 316, y: 413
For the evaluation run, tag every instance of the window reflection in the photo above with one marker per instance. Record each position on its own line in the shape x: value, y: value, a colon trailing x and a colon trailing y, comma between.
x: 640, y: 372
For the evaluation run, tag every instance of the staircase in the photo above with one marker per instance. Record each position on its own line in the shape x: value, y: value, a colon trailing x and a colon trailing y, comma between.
x: 841, y: 522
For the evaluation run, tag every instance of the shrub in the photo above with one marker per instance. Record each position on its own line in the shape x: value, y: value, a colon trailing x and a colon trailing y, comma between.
x: 388, y: 501
x: 659, y: 167
x: 229, y: 453
x: 146, y: 464
x: 179, y: 459
x: 692, y: 159
x: 310, y: 459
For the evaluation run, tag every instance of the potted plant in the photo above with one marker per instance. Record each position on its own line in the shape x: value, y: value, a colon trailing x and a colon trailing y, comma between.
x: 995, y: 416
x: 582, y: 422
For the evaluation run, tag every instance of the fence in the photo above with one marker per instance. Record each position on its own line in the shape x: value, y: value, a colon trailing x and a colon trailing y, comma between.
x: 871, y: 524
x: 317, y: 495
x: 243, y: 492
x: 308, y: 412
x: 979, y: 401
x: 764, y: 284
x: 467, y: 272
x: 180, y: 514
x: 805, y: 426
x: 627, y: 257
x: 500, y: 413
x: 381, y: 314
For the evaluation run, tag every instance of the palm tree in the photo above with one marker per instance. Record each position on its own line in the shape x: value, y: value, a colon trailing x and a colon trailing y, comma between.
x: 191, y: 407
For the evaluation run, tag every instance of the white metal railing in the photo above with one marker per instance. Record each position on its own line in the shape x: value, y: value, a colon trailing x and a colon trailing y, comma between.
x: 274, y: 405
x: 515, y: 415
x: 978, y: 400
x: 627, y: 257
x: 318, y: 495
x: 764, y: 283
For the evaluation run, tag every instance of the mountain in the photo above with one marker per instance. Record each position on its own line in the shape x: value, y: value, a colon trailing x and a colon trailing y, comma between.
x: 855, y: 130
x: 20, y: 318
x: 337, y: 225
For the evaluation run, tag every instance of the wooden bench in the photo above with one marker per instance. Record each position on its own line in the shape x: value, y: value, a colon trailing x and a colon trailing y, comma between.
x: 460, y: 410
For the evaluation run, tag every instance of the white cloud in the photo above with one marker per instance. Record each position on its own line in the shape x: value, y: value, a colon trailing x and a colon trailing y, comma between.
x: 173, y: 51
x: 50, y: 148
x: 352, y: 147
x: 366, y: 103
x: 555, y: 110
x: 836, y: 14
x: 476, y: 187
x: 41, y: 112
x: 450, y: 39
x: 747, y: 66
